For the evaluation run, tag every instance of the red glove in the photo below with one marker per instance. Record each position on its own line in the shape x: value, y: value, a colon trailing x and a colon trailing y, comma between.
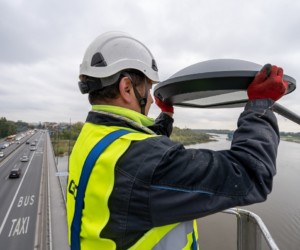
x: 268, y: 83
x: 163, y: 106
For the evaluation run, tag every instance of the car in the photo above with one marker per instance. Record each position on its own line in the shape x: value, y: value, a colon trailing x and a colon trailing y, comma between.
x: 32, y: 148
x: 1, y: 154
x: 5, y: 145
x: 24, y: 158
x: 14, y: 173
x: 27, y: 142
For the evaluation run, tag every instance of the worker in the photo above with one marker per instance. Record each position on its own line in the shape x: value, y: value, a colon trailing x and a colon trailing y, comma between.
x: 130, y: 186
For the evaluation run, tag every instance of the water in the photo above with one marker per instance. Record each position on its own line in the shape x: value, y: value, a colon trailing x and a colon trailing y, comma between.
x: 280, y: 213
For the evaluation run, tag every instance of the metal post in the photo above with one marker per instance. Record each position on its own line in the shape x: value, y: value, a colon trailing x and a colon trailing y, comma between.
x: 281, y: 110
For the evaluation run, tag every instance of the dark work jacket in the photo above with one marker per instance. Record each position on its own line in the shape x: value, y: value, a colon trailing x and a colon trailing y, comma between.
x: 160, y: 182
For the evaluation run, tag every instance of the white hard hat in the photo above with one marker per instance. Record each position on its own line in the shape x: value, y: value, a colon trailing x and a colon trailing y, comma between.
x: 115, y: 51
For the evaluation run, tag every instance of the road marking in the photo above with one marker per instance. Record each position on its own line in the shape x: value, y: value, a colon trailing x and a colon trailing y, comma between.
x: 19, y: 226
x: 24, y: 201
x: 13, y: 200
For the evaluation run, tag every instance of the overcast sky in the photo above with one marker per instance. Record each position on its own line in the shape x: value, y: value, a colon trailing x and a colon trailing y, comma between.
x: 43, y: 42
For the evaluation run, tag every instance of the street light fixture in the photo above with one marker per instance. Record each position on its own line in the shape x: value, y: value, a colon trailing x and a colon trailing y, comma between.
x: 218, y: 83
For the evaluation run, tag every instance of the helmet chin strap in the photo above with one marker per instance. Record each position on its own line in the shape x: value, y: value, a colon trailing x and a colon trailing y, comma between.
x: 142, y: 100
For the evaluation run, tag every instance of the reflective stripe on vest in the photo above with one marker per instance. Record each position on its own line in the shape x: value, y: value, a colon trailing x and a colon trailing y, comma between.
x: 179, y: 236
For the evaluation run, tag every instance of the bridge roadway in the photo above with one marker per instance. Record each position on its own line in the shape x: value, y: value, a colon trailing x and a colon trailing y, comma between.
x: 32, y: 207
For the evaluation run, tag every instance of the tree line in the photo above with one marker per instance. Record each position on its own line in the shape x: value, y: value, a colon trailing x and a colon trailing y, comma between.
x: 10, y: 128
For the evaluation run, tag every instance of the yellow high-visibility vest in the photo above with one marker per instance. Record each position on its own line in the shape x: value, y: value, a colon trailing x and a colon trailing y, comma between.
x: 99, y: 188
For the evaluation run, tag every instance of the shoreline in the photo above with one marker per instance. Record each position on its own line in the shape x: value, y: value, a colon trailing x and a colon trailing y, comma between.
x: 290, y: 139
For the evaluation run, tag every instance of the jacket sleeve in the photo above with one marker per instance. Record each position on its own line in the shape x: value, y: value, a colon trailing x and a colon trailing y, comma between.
x: 192, y: 183
x: 163, y: 125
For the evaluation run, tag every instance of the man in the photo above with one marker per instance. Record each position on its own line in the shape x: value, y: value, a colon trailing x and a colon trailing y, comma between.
x: 130, y: 186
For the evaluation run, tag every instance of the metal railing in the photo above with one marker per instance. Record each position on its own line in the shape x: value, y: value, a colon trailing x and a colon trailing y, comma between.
x: 251, y: 230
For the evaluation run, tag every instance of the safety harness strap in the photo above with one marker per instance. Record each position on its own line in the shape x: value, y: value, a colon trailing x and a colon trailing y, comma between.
x: 85, y: 175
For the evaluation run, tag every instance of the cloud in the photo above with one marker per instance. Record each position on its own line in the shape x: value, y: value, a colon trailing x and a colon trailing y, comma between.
x: 42, y: 44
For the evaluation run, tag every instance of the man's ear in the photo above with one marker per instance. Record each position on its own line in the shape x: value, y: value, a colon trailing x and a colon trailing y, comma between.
x: 125, y: 89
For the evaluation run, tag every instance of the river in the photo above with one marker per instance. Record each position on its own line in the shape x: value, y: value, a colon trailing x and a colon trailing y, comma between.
x: 280, y: 213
